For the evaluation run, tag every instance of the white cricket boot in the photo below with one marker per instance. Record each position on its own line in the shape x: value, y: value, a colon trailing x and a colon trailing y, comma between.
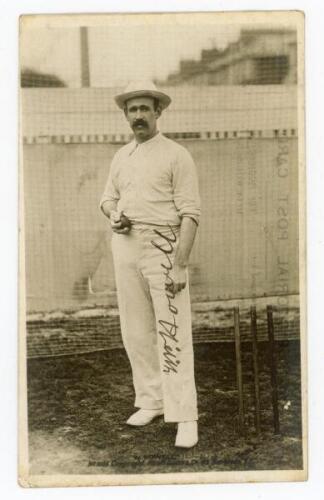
x: 187, y: 435
x: 144, y: 417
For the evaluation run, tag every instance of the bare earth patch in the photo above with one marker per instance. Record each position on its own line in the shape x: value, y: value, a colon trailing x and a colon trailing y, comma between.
x: 78, y: 406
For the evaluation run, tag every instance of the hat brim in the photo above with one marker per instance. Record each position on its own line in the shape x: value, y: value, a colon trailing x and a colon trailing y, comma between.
x: 164, y: 99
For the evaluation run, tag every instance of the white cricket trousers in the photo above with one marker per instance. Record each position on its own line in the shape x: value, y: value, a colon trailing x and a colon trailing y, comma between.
x: 155, y: 324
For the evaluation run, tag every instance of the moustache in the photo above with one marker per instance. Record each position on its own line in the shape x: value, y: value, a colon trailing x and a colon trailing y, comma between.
x: 139, y: 122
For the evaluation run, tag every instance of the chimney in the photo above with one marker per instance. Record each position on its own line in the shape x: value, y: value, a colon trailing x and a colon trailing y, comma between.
x: 85, y: 70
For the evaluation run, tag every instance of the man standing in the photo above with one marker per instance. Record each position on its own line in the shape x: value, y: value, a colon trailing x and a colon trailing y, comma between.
x: 152, y: 200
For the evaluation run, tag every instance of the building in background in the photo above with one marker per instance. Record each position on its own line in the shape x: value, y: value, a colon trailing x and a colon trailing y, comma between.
x: 259, y: 57
x: 31, y: 78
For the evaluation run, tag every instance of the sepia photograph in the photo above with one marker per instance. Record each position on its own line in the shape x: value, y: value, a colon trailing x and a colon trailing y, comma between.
x: 162, y: 300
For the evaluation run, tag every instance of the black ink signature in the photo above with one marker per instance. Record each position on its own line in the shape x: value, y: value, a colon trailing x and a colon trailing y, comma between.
x: 168, y: 329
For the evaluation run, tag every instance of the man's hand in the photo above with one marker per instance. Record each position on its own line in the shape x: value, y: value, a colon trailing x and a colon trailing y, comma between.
x: 178, y: 279
x: 120, y: 223
x: 178, y: 273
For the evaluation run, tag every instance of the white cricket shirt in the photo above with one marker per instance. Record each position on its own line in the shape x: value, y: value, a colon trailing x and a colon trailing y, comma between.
x: 154, y: 182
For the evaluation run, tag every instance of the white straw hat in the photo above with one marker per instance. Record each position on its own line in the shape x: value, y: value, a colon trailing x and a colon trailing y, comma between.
x: 142, y: 89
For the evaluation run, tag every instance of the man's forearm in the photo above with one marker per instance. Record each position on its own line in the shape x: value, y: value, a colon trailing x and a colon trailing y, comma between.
x: 187, y: 236
x: 107, y: 207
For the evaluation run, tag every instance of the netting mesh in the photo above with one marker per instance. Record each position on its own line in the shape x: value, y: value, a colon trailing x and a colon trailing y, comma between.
x: 244, y: 143
x: 68, y: 254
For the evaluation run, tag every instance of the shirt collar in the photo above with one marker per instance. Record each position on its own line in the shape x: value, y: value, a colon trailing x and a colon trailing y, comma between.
x: 135, y: 145
x: 155, y: 138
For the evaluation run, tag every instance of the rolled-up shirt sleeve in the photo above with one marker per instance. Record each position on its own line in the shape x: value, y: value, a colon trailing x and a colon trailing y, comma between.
x: 186, y: 187
x: 111, y: 194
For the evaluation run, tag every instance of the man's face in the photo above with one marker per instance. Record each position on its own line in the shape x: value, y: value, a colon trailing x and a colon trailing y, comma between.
x: 142, y: 117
